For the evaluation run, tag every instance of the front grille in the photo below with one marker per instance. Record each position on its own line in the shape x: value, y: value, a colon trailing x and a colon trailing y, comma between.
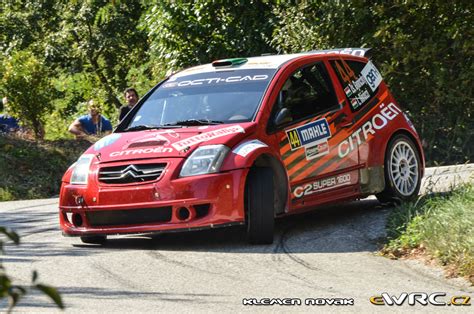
x: 129, y: 217
x: 131, y: 173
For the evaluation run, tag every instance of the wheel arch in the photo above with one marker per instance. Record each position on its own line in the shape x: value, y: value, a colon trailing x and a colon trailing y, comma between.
x: 266, y: 160
x: 390, y: 193
x: 415, y: 140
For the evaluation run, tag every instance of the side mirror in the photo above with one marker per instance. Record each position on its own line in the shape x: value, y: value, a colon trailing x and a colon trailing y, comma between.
x: 283, y: 116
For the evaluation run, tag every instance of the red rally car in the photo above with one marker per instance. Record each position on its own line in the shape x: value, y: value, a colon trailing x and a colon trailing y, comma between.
x: 242, y: 141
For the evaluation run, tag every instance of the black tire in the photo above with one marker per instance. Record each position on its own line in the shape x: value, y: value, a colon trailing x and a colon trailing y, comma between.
x: 402, y: 171
x: 259, y: 205
x: 94, y: 239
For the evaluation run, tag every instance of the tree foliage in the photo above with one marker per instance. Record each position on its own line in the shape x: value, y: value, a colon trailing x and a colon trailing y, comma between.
x: 100, y: 38
x: 94, y: 40
x: 26, y: 82
x: 28, y: 24
x: 425, y: 49
x: 95, y: 48
x: 185, y: 33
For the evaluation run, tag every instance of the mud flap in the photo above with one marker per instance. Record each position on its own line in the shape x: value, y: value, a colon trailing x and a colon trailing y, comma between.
x: 372, y: 180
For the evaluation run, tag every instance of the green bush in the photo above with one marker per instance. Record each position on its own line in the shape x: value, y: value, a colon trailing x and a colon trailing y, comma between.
x: 25, y: 81
x: 441, y: 225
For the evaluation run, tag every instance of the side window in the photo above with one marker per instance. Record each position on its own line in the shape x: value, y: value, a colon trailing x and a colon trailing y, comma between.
x: 352, y: 76
x: 307, y: 92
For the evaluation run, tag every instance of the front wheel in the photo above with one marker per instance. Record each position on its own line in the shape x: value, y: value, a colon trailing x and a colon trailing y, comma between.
x: 259, y: 207
x: 402, y: 170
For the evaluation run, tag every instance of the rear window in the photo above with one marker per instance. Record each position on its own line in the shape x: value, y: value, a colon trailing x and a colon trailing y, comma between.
x: 228, y: 96
x: 359, y: 80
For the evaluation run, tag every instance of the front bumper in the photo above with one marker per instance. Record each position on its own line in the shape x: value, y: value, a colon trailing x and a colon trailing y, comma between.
x: 180, y: 204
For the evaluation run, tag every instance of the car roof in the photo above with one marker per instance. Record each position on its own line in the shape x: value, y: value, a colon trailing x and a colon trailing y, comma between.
x: 269, y: 61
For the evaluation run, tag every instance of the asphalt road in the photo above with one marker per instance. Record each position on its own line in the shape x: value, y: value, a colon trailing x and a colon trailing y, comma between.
x: 324, y: 254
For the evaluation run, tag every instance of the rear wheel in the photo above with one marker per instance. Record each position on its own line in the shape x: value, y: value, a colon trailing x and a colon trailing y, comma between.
x: 94, y: 239
x: 402, y: 171
x: 259, y: 203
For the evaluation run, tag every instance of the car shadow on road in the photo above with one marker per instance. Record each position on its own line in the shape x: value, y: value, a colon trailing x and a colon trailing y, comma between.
x: 349, y: 227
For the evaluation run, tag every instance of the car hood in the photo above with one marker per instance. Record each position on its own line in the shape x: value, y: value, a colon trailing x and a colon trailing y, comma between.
x: 167, y: 143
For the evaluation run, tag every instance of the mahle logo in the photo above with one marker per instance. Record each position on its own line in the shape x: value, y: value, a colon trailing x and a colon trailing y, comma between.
x: 422, y: 298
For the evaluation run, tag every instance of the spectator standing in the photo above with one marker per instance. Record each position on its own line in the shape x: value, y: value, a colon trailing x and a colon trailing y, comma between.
x: 131, y: 97
x: 7, y: 122
x: 91, y: 126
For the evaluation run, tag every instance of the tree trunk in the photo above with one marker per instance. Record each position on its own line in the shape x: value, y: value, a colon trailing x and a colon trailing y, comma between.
x: 105, y: 83
x: 38, y: 129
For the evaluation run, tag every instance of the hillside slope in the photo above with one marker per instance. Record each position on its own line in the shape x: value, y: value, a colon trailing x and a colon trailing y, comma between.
x: 30, y: 169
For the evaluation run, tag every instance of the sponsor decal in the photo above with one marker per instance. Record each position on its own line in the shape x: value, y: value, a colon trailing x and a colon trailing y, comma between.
x: 360, y: 98
x: 372, y: 126
x: 297, y: 301
x: 193, y: 140
x: 309, y: 134
x: 322, y: 185
x: 354, y: 103
x: 217, y: 80
x: 246, y: 148
x: 371, y: 75
x: 363, y: 96
x: 106, y: 141
x: 318, y: 150
x: 359, y: 83
x: 422, y: 298
x: 348, y: 91
x: 267, y: 63
x: 358, y: 86
x: 345, y: 51
x: 131, y: 152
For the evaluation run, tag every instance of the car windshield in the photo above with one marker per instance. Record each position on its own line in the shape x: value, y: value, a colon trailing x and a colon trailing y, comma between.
x: 225, y: 96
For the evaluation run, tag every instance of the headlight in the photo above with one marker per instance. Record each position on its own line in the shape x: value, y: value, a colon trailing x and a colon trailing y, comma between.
x: 205, y: 159
x: 80, y: 173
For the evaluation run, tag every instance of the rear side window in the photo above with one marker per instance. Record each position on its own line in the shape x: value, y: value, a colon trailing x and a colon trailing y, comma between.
x: 359, y: 80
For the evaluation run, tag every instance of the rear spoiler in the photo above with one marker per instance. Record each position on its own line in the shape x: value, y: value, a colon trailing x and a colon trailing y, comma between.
x: 360, y: 52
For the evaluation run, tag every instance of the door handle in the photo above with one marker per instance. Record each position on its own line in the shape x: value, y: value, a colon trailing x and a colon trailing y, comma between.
x: 346, y: 123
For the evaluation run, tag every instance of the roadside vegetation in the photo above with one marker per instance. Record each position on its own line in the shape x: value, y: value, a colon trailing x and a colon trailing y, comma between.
x: 32, y: 169
x: 56, y: 55
x: 438, y: 227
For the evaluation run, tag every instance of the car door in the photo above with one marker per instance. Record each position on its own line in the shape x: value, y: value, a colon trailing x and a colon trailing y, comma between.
x: 309, y: 120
